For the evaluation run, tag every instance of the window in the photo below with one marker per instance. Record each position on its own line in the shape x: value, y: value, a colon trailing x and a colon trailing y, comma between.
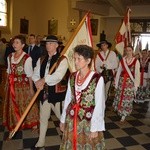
x: 142, y: 41
x: 3, y: 13
x: 140, y: 29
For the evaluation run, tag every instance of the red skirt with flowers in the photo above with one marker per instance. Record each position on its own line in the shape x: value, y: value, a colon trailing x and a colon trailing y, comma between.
x: 13, y: 108
x: 83, y: 142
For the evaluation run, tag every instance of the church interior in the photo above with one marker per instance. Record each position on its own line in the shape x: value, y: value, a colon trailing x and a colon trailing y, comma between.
x: 61, y: 18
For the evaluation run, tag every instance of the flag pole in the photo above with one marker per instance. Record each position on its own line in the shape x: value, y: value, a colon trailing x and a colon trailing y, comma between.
x: 12, y: 133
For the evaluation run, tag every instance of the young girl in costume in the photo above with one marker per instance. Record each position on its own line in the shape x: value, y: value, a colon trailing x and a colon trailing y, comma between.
x: 126, y: 83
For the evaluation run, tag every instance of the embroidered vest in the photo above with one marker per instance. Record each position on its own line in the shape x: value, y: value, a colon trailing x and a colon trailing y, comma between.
x: 87, y: 102
x: 145, y: 66
x: 131, y: 67
x: 57, y: 92
x: 17, y: 71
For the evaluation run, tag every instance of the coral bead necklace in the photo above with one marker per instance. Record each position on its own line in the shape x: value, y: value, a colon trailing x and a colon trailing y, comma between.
x: 16, y: 56
x: 80, y: 80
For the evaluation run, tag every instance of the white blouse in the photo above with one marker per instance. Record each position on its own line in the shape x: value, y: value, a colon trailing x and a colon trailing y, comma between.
x: 148, y: 76
x: 55, y: 77
x: 110, y: 63
x: 27, y: 66
x: 137, y: 73
x: 97, y: 120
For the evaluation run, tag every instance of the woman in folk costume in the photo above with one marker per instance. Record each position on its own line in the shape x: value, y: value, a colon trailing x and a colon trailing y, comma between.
x: 126, y: 83
x: 19, y: 89
x: 148, y: 80
x: 143, y: 90
x: 82, y: 120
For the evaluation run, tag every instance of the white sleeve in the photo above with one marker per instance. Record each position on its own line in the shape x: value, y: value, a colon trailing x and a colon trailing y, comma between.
x: 28, y: 67
x: 137, y: 74
x: 149, y: 70
x: 98, y: 64
x: 66, y: 103
x: 97, y: 120
x: 36, y: 73
x: 118, y: 75
x: 57, y: 76
x: 113, y: 61
x: 8, y: 66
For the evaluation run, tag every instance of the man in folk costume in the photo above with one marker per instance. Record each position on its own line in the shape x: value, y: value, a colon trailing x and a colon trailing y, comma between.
x: 106, y: 63
x: 53, y: 86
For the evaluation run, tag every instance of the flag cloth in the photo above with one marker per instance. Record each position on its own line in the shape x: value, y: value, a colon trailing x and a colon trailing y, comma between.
x: 138, y: 48
x: 81, y: 36
x: 123, y: 37
x: 147, y: 46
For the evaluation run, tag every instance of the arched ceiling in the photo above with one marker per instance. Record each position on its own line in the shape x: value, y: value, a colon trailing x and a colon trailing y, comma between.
x: 102, y: 7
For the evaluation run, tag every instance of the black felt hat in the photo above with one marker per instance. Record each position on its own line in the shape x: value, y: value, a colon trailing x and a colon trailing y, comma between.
x: 102, y: 42
x: 51, y: 38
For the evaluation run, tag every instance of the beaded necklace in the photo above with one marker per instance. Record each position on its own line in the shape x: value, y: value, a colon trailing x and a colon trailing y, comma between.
x: 80, y: 80
x: 128, y: 61
x: 17, y: 56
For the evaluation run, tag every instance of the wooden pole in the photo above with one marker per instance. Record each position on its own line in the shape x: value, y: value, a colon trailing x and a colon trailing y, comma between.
x: 12, y: 133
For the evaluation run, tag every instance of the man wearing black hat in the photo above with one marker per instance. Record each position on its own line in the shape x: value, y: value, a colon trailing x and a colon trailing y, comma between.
x: 106, y: 63
x: 52, y: 90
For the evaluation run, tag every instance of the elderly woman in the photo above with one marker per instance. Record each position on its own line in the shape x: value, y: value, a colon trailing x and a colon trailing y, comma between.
x: 82, y: 120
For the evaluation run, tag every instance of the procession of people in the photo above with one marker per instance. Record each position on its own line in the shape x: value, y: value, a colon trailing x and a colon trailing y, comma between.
x: 81, y: 95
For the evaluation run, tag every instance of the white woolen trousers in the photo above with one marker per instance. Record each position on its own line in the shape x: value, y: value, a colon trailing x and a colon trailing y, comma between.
x: 45, y: 112
x: 107, y: 87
